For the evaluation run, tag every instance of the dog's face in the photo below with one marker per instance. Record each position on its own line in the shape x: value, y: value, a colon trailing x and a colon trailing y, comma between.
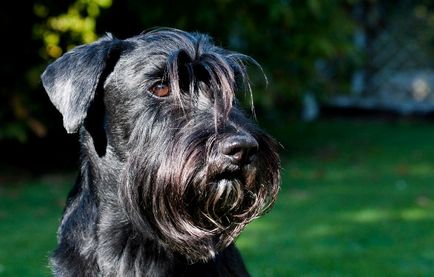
x: 192, y: 168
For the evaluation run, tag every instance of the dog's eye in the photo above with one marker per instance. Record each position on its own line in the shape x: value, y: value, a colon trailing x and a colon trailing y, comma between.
x: 160, y: 89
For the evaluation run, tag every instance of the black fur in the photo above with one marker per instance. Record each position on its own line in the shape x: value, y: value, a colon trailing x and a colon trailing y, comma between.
x: 166, y: 183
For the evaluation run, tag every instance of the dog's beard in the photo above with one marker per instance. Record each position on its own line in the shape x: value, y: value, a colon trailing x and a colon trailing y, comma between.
x: 197, y: 208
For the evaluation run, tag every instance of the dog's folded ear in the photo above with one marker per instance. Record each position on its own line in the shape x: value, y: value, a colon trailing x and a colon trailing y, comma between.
x: 72, y: 80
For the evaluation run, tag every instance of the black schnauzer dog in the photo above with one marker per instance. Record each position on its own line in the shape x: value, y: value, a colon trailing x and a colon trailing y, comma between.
x: 171, y: 168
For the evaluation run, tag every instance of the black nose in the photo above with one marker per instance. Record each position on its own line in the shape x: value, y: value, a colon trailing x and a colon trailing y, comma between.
x: 240, y: 149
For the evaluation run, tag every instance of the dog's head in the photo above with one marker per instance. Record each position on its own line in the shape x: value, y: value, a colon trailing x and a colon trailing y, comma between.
x: 192, y: 168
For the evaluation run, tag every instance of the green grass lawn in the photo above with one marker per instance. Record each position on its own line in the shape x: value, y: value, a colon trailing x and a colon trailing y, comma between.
x: 357, y: 199
x: 29, y: 213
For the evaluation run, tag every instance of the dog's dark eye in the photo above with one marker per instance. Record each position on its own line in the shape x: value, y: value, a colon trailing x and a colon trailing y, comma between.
x: 160, y: 90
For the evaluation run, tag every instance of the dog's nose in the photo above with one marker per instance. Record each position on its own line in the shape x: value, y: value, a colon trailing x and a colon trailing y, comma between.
x: 240, y: 149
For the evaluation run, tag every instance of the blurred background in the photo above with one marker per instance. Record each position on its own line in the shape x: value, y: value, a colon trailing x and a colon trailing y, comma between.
x: 350, y: 98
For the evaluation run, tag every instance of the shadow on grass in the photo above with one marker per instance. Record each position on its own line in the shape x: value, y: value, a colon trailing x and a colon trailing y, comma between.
x: 30, y: 211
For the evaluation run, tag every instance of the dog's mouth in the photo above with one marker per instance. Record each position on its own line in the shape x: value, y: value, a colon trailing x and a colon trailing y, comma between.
x: 224, y: 201
x: 227, y: 195
x: 227, y: 176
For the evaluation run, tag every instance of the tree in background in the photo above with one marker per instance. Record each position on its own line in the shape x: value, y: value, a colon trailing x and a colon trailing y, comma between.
x: 302, y: 46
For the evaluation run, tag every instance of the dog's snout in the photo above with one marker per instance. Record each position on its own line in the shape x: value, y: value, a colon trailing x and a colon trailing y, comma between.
x: 240, y: 149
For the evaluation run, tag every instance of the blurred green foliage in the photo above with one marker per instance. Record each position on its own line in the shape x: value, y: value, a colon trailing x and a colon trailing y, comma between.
x: 302, y: 46
x: 76, y: 26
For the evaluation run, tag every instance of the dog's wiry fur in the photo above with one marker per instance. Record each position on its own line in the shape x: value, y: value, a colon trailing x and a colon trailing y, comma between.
x: 166, y: 183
